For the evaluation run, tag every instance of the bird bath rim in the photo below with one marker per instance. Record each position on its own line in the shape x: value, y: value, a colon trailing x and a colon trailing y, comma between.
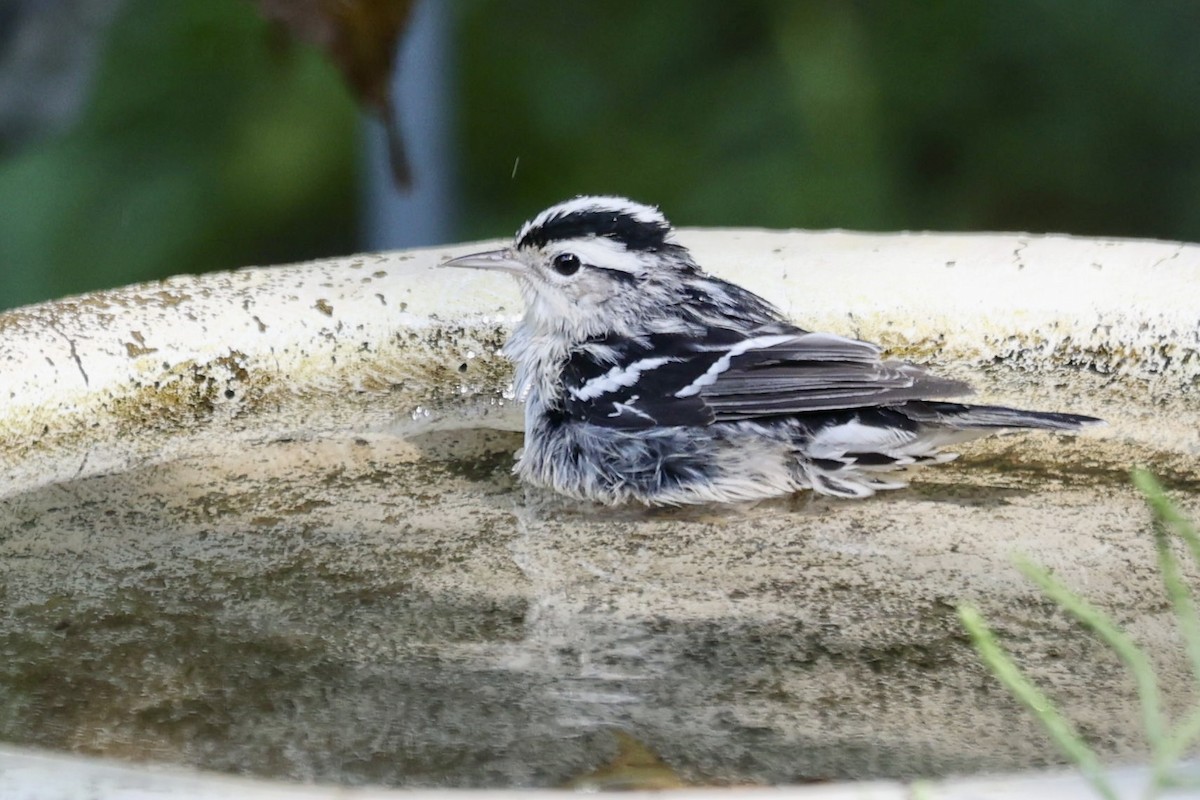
x: 384, y: 348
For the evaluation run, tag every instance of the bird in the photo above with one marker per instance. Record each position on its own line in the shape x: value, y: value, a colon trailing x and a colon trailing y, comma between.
x: 648, y: 381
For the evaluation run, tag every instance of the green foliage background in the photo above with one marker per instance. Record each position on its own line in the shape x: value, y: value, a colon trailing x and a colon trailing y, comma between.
x: 206, y: 144
x: 948, y: 115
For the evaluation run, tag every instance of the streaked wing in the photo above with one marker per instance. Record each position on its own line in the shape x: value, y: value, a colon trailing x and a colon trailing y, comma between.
x: 672, y: 379
x: 632, y: 384
x: 818, y: 372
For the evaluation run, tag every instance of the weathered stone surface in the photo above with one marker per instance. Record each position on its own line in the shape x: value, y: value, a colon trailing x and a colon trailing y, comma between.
x: 263, y: 522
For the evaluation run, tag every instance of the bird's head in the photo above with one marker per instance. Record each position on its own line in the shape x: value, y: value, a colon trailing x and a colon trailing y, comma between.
x: 592, y: 265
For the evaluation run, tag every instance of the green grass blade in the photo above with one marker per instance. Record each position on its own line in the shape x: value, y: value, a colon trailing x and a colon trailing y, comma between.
x: 1181, y: 598
x: 1167, y: 516
x: 1166, y: 511
x: 1181, y: 739
x: 1008, y: 673
x: 1099, y: 623
x: 1186, y: 734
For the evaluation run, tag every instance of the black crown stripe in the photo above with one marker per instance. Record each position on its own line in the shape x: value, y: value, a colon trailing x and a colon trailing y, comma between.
x: 634, y: 233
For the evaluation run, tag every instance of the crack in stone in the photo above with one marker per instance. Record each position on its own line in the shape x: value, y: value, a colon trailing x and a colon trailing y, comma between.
x: 74, y: 353
x: 1020, y: 248
x: 1178, y: 252
x: 82, y: 464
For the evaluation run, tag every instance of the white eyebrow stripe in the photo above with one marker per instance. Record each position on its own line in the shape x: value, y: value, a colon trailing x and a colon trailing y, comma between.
x: 721, y: 364
x: 618, y: 377
x: 599, y: 252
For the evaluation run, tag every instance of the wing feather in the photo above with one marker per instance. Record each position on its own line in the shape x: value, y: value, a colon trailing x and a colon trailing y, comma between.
x: 818, y: 372
x: 730, y: 376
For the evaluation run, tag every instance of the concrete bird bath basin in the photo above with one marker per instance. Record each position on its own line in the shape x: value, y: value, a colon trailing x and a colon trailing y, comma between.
x: 262, y: 522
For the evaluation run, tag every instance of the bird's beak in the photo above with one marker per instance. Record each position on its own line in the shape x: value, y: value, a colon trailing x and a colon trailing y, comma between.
x: 503, y: 260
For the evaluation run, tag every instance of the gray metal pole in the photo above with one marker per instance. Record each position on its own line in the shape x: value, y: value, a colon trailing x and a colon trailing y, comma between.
x: 393, y: 218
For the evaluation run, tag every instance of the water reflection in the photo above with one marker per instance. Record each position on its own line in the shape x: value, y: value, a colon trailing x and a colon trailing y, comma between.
x: 382, y: 611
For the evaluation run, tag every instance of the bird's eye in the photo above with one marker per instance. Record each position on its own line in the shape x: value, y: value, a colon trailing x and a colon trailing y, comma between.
x: 566, y: 263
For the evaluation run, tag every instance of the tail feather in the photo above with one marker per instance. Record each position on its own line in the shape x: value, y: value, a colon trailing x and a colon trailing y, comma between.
x: 846, y: 453
x: 962, y: 416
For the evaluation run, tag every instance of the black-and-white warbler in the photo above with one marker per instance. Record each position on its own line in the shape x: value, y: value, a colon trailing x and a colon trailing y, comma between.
x: 647, y: 380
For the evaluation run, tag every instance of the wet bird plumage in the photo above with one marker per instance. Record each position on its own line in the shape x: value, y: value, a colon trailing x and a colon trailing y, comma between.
x: 646, y: 379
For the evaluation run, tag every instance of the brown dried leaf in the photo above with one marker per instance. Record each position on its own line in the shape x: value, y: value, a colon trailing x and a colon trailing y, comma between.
x: 361, y: 37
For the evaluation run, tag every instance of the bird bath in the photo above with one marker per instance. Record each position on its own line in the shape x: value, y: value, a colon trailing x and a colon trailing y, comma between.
x: 262, y: 522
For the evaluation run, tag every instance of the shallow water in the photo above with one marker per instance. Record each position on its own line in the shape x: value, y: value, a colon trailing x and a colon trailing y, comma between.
x: 398, y: 612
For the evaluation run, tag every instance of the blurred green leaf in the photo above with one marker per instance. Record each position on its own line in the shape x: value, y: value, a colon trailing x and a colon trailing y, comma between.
x: 199, y: 149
